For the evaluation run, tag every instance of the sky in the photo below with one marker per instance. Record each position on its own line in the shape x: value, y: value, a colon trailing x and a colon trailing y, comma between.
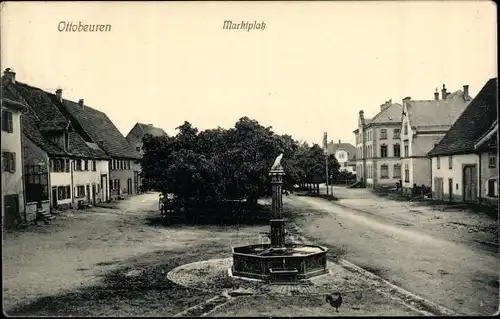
x: 311, y: 70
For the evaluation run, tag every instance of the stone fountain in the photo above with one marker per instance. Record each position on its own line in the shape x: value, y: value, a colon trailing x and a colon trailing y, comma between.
x: 279, y: 262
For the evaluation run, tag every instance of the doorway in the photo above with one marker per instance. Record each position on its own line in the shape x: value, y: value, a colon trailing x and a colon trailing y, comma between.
x: 93, y: 194
x: 439, y: 188
x: 11, y: 203
x: 88, y: 193
x: 450, y: 189
x: 54, y: 197
x: 104, y: 187
x: 470, y: 183
x: 129, y: 186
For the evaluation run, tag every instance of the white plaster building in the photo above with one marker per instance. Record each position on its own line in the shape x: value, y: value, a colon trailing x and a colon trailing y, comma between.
x: 423, y: 125
x: 378, y: 147
x: 465, y: 162
x: 12, y: 169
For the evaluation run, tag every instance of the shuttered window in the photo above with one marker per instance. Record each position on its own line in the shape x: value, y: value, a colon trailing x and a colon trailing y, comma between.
x: 9, y: 162
x: 7, y: 125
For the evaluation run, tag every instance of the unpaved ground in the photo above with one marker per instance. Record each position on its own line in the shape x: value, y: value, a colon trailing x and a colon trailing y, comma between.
x: 450, y: 222
x: 455, y: 275
x: 80, y: 246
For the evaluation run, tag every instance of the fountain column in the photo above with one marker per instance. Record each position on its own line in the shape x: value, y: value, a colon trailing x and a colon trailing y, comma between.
x: 277, y: 221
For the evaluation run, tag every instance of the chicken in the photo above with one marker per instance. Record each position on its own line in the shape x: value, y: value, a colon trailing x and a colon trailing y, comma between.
x: 335, y: 303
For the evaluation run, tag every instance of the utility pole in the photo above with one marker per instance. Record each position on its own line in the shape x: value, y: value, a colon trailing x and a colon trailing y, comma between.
x: 325, y: 143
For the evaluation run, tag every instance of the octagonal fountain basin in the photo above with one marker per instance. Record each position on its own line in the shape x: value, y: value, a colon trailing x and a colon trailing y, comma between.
x: 259, y: 261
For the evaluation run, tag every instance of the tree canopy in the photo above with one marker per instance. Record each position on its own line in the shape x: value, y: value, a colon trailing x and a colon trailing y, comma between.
x: 220, y: 164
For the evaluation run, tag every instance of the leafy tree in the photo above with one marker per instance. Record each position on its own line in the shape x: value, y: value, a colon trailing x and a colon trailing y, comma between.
x: 219, y: 164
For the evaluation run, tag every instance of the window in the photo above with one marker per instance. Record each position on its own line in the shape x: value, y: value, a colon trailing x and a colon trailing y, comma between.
x: 36, y: 183
x: 492, y: 188
x: 138, y: 148
x: 86, y: 165
x: 383, y: 151
x: 397, y: 133
x: 9, y: 162
x: 397, y: 150
x: 67, y: 165
x: 384, y: 171
x: 406, y: 153
x: 7, y: 125
x: 492, y: 160
x: 63, y: 192
x: 407, y: 174
x: 397, y: 171
x: 80, y: 191
x: 128, y: 165
x: 111, y: 184
x: 78, y: 165
x: 438, y: 162
x: 383, y: 134
x: 94, y: 166
x: 405, y: 126
x: 450, y: 162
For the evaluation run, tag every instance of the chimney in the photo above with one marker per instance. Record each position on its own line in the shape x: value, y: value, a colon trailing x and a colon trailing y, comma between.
x: 466, y: 91
x: 150, y: 124
x: 59, y: 95
x: 406, y: 100
x: 436, y: 95
x: 339, y: 141
x: 80, y: 102
x: 443, y: 93
x: 10, y: 75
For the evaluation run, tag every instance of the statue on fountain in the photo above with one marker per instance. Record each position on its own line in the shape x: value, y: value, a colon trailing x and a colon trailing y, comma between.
x: 277, y: 163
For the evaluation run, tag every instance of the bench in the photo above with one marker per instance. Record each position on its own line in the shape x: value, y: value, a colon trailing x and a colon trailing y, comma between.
x: 283, y: 275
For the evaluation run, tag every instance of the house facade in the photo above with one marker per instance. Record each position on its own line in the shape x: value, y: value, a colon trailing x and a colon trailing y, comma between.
x: 345, y: 154
x: 423, y: 125
x: 137, y: 133
x: 52, y: 151
x: 378, y: 146
x: 99, y: 131
x: 465, y: 162
x: 13, y: 194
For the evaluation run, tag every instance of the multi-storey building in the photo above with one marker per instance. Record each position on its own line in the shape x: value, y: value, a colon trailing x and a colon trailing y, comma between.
x: 345, y: 154
x: 60, y: 168
x: 465, y: 162
x: 123, y: 165
x: 423, y: 124
x: 13, y: 193
x: 137, y: 133
x: 378, y: 146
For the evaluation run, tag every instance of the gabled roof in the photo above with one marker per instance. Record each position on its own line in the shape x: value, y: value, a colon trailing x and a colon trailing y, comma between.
x: 476, y: 120
x: 43, y: 118
x: 348, y: 147
x: 390, y: 114
x: 150, y: 129
x: 101, y: 129
x: 436, y: 113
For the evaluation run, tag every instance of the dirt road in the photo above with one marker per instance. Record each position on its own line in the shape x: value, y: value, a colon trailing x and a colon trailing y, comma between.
x: 455, y: 275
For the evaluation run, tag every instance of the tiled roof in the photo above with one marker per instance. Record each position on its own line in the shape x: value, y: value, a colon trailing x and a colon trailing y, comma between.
x: 150, y: 129
x: 31, y: 131
x: 348, y: 147
x: 44, y: 117
x: 475, y: 120
x: 430, y: 113
x: 100, y: 128
x: 390, y: 114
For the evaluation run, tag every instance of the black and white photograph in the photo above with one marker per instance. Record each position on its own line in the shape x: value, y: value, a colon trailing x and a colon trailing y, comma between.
x: 249, y: 158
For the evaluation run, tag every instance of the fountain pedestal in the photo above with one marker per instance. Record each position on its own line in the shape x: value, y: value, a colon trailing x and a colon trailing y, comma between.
x: 278, y: 260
